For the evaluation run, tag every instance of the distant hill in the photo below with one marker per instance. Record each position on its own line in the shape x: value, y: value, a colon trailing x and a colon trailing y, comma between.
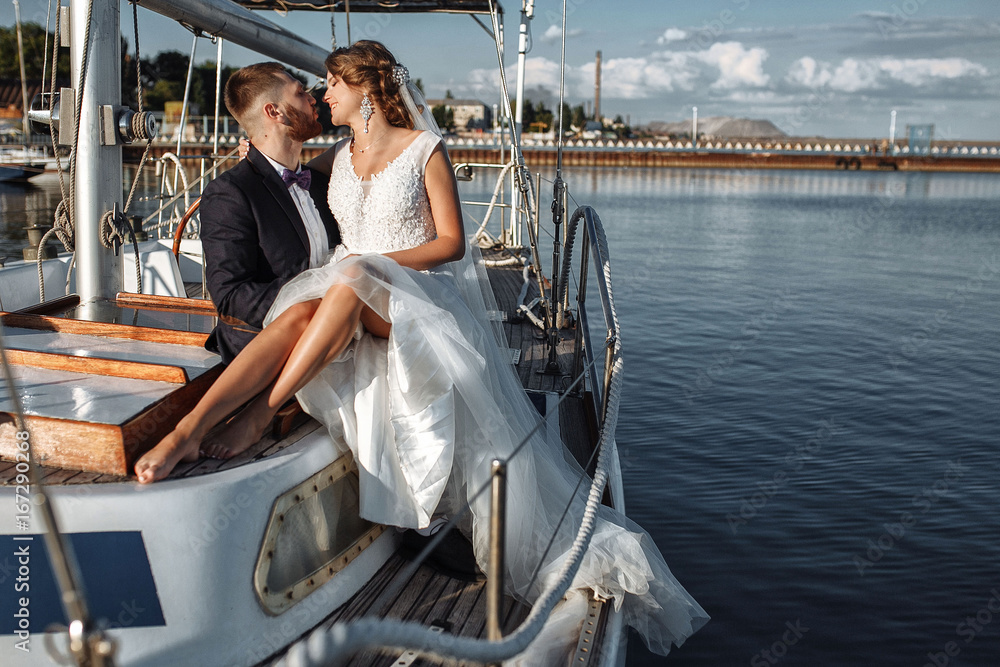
x: 722, y: 127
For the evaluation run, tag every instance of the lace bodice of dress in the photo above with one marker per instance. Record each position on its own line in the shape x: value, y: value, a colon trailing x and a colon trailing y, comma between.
x: 389, y: 212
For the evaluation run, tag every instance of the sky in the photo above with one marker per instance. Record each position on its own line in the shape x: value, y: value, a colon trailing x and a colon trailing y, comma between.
x: 834, y: 69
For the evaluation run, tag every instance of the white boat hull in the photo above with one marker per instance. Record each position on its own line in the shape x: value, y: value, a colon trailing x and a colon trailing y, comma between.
x: 201, y: 537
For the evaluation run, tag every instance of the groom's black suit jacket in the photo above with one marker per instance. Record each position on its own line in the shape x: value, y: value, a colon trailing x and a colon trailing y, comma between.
x: 254, y: 242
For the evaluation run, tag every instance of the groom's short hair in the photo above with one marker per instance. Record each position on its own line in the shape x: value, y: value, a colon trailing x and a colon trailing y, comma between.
x: 251, y: 86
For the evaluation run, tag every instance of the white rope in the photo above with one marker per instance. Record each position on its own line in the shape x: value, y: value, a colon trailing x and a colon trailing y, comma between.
x: 510, y: 261
x: 493, y: 200
x: 337, y: 644
x: 165, y: 184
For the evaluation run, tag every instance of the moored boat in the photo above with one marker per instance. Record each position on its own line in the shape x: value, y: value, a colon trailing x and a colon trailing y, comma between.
x: 20, y: 164
x: 232, y: 562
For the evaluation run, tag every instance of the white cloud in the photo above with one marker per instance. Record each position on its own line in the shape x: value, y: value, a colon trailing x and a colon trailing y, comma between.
x: 807, y: 72
x: 738, y: 66
x: 554, y: 34
x: 919, y: 71
x: 636, y: 78
x: 672, y: 35
x: 727, y: 66
x: 854, y: 74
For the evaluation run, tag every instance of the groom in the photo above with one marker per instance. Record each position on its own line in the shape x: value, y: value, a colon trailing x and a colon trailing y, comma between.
x: 267, y: 219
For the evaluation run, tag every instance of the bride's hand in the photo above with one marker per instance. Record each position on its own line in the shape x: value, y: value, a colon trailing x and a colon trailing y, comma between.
x: 244, y: 147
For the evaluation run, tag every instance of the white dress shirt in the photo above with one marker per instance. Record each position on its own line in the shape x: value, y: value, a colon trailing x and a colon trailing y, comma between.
x: 319, y: 242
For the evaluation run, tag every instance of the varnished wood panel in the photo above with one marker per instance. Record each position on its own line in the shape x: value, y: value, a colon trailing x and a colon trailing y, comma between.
x: 64, y: 325
x: 53, y: 306
x: 69, y: 444
x: 171, y: 303
x: 104, y: 447
x: 97, y: 366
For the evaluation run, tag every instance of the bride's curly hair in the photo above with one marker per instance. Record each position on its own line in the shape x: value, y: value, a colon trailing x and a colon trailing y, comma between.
x: 368, y: 65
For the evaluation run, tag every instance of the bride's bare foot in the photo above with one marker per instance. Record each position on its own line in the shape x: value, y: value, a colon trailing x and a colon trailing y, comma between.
x: 161, y: 459
x: 242, y: 431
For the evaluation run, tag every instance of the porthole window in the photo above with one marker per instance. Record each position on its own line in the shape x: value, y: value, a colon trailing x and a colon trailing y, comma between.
x: 314, y: 531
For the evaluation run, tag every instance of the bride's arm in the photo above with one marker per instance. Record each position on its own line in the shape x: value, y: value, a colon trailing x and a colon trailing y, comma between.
x: 442, y: 191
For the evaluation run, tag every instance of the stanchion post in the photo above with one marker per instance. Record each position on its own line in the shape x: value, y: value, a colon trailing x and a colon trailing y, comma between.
x: 495, y: 567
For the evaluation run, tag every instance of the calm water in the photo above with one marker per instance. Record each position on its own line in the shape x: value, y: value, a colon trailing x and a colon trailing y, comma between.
x: 811, y: 405
x: 811, y: 414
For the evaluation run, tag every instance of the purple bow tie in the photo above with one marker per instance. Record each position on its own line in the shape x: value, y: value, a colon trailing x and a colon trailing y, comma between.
x: 303, y: 178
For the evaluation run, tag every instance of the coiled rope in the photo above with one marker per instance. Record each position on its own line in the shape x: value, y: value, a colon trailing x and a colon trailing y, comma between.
x: 62, y: 223
x: 336, y: 644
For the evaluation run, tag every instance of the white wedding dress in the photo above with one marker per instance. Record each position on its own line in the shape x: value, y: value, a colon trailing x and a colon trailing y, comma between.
x: 426, y: 411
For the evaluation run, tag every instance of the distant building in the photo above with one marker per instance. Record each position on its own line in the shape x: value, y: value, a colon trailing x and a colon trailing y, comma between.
x: 469, y: 114
x: 10, y: 97
x: 592, y: 129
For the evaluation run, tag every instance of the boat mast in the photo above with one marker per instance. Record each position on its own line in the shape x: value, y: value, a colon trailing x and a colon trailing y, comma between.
x: 98, y: 173
x: 24, y: 85
x: 527, y: 13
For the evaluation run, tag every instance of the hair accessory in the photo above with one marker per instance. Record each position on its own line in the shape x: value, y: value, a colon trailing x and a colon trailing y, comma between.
x: 400, y: 75
x: 366, y: 110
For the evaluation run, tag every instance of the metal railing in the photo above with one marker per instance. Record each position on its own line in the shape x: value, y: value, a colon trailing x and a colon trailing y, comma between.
x: 583, y: 355
x: 172, y: 198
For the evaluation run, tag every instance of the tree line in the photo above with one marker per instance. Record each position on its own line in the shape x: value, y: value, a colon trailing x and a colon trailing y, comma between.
x: 164, y: 75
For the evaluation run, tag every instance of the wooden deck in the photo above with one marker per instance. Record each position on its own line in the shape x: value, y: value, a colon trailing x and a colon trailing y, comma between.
x: 431, y: 598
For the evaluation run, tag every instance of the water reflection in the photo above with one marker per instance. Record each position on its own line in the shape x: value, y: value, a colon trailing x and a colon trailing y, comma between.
x: 23, y: 205
x: 748, y: 183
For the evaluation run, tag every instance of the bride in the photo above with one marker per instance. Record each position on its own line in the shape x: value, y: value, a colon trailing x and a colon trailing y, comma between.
x: 398, y: 360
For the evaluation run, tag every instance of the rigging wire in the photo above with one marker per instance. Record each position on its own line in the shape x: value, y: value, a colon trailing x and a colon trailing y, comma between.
x: 521, y: 176
x: 347, y: 14
x: 333, y: 28
x: 45, y: 48
x: 139, y: 129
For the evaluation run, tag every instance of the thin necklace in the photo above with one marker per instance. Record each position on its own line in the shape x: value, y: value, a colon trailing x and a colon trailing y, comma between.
x: 368, y: 147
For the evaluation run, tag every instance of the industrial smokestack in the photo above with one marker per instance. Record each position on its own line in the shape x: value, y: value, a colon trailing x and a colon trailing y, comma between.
x: 597, y: 89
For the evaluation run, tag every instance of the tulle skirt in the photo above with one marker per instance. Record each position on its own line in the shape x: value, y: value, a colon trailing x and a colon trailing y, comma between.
x: 425, y: 412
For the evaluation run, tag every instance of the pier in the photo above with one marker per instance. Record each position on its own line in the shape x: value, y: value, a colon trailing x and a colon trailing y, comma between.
x: 846, y: 155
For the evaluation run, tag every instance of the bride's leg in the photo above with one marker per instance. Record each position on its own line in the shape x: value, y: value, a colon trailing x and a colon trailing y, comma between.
x: 243, y: 430
x: 248, y: 426
x: 329, y: 332
x: 251, y: 372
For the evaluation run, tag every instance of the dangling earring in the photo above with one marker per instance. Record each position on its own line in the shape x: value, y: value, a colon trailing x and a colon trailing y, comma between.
x: 366, y: 110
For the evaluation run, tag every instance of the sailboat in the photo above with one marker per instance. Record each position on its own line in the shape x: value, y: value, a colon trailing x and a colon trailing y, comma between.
x: 20, y: 164
x: 234, y: 562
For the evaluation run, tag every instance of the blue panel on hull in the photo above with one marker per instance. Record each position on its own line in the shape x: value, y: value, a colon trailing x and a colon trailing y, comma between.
x: 116, y: 575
